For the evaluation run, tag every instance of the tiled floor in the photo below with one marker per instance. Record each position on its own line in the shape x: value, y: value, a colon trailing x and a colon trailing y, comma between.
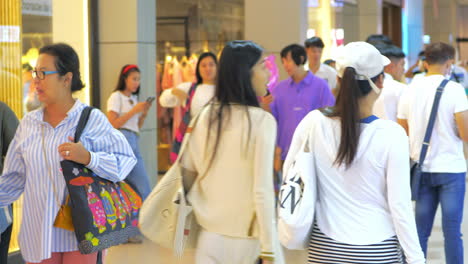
x: 149, y: 253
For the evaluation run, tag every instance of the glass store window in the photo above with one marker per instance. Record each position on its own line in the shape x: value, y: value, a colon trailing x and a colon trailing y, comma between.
x: 26, y: 26
x: 185, y: 29
x: 36, y: 32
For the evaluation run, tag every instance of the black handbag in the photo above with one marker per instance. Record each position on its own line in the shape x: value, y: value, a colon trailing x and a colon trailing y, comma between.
x: 104, y: 213
x: 416, y: 167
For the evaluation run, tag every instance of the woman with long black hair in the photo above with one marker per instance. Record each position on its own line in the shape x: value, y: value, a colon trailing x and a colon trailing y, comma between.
x: 229, y: 163
x: 363, y: 211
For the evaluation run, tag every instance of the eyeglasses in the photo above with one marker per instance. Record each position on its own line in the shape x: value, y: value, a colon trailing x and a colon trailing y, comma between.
x: 41, y: 74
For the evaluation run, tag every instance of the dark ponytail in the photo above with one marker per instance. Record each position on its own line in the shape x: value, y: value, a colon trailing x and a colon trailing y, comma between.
x: 347, y: 109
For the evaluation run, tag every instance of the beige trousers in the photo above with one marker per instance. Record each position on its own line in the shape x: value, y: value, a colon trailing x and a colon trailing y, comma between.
x: 213, y: 248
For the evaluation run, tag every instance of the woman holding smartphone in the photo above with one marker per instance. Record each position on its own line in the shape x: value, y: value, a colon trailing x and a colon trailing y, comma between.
x: 128, y: 115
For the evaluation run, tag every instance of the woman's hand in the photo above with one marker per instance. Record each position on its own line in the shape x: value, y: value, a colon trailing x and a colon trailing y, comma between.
x: 147, y: 107
x: 181, y: 95
x: 265, y: 102
x: 267, y: 99
x: 141, y: 107
x: 75, y: 152
x: 278, y: 163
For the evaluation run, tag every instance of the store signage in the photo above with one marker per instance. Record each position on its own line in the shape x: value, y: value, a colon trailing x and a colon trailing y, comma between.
x: 37, y: 7
x: 10, y: 34
x: 354, y: 2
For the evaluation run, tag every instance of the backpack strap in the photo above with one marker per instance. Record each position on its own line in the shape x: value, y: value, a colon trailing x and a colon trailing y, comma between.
x: 432, y: 119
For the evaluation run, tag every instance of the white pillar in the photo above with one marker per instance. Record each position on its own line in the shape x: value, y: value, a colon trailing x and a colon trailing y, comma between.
x: 70, y: 25
x: 413, y: 29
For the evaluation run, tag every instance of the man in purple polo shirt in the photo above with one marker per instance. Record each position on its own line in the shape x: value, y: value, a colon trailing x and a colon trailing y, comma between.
x: 295, y: 97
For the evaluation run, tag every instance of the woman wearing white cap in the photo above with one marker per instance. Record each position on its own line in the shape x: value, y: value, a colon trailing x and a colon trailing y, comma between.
x: 363, y: 211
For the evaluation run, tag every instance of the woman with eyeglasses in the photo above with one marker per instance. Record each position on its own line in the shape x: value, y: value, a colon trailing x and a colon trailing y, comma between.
x: 43, y: 139
x: 128, y: 115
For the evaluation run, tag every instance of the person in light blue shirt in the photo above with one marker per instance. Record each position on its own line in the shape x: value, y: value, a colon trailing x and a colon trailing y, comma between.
x: 44, y: 138
x: 8, y: 125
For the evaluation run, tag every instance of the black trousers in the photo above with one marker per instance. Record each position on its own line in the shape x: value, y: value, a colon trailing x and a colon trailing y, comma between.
x: 4, y: 244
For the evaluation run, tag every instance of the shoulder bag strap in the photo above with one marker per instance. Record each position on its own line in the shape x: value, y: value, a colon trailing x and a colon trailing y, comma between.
x: 188, y: 132
x: 432, y: 118
x: 82, y: 122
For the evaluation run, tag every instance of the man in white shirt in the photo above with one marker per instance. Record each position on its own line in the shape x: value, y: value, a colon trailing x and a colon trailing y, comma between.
x: 314, y: 48
x: 444, y: 169
x: 386, y: 105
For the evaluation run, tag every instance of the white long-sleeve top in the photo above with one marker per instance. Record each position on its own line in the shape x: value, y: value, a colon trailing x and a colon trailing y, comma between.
x: 234, y: 196
x: 203, y: 94
x: 32, y: 167
x: 370, y: 201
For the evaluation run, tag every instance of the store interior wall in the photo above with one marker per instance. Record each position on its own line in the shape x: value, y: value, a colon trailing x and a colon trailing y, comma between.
x: 447, y: 20
x: 462, y: 31
x: 263, y: 25
x: 211, y: 23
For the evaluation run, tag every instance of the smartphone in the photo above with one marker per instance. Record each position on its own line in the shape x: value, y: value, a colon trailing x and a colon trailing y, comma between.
x: 150, y: 99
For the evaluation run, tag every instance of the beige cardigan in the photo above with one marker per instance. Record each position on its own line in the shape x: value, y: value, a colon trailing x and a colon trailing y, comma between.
x: 235, y: 197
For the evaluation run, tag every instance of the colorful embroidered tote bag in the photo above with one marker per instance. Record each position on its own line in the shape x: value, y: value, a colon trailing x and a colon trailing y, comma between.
x: 104, y: 213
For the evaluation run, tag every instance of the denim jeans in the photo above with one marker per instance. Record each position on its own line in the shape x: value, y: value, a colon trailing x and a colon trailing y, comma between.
x: 138, y: 178
x: 448, y: 189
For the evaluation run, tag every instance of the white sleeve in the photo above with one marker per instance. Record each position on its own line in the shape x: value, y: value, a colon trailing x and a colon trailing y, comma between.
x: 332, y: 79
x: 459, y: 97
x: 403, y: 105
x: 167, y: 99
x: 399, y: 196
x: 114, y: 103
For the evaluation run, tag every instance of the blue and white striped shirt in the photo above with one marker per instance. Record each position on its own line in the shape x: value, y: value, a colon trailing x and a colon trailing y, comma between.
x: 26, y: 171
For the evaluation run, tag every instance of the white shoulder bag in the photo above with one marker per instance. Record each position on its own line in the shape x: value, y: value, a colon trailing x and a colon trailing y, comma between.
x: 166, y: 216
x: 297, y: 198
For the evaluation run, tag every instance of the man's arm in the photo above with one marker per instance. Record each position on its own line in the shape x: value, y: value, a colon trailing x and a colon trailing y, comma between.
x: 461, y: 119
x: 404, y: 124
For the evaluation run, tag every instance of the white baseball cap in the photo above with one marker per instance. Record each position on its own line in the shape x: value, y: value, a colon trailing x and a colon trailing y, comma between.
x: 364, y: 58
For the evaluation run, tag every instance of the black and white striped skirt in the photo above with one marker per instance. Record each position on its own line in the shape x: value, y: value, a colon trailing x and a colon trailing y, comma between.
x: 324, y: 250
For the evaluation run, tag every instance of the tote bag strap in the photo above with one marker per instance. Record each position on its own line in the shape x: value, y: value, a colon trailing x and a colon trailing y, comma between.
x: 188, y: 132
x: 82, y: 122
